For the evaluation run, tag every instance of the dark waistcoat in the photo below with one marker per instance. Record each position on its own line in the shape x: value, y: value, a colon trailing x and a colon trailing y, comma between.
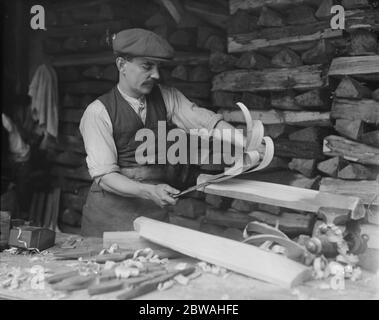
x: 126, y: 123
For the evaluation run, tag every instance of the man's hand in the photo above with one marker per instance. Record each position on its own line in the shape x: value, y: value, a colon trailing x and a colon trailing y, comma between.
x: 161, y: 194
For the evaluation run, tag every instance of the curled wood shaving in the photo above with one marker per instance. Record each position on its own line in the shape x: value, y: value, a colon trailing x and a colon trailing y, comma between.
x: 165, y: 285
x: 182, y: 279
x: 337, y: 282
x: 181, y: 266
x: 109, y: 265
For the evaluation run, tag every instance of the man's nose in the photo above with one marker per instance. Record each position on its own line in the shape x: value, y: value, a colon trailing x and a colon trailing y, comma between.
x: 155, y: 73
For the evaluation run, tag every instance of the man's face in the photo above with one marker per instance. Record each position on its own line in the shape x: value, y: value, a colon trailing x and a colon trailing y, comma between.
x: 139, y: 74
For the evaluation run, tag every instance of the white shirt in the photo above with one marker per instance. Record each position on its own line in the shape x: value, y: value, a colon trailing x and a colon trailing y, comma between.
x: 97, y: 132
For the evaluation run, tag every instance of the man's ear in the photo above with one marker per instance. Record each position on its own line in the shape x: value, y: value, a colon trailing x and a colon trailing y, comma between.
x: 120, y: 63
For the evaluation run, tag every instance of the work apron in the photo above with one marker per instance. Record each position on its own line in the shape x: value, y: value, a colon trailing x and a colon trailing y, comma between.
x: 106, y: 211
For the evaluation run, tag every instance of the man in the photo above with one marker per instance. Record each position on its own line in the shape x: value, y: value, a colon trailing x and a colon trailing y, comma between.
x: 123, y: 189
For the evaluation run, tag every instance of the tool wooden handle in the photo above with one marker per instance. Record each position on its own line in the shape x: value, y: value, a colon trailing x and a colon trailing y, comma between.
x: 152, y: 285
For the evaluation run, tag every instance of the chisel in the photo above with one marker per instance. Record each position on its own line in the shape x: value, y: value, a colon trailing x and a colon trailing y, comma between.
x: 151, y: 285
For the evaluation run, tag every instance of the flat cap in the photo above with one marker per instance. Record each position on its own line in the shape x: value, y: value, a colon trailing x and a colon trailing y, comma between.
x: 142, y: 43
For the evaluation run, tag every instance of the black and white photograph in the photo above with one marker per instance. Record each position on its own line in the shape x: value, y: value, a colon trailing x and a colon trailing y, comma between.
x: 189, y: 154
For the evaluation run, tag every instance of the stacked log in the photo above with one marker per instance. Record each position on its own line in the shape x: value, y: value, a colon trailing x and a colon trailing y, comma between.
x: 279, y: 55
x: 355, y: 146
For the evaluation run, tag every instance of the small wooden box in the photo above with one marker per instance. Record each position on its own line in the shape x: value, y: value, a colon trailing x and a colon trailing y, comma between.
x: 32, y: 237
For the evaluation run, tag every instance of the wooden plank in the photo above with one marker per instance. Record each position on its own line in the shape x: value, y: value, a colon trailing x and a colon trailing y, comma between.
x: 303, y: 77
x: 367, y: 191
x: 107, y: 57
x: 351, y: 150
x: 284, y: 196
x: 286, y: 36
x: 230, y: 254
x: 88, y: 29
x: 298, y: 149
x: 353, y: 4
x: 235, y: 5
x: 365, y: 109
x: 285, y: 177
x: 128, y: 240
x: 303, y: 118
x: 362, y: 19
x: 361, y: 65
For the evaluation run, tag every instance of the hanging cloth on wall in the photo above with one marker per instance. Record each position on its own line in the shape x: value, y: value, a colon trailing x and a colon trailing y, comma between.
x: 43, y: 90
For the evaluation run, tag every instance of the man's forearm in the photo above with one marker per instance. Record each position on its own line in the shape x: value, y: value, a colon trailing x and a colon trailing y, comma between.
x: 117, y: 183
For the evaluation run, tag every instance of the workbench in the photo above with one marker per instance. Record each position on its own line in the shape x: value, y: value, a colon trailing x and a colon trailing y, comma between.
x: 207, y: 286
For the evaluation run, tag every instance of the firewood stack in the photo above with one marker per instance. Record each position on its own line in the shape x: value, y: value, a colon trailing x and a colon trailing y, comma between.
x: 314, y: 89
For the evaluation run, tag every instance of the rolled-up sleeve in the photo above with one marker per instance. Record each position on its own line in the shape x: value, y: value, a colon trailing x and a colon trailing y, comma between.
x: 186, y: 114
x: 97, y: 132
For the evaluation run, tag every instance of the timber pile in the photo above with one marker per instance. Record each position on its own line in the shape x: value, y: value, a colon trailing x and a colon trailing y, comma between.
x: 279, y: 56
x: 353, y: 166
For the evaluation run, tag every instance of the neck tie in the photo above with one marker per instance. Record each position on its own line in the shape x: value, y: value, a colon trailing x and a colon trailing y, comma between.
x: 141, y: 111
